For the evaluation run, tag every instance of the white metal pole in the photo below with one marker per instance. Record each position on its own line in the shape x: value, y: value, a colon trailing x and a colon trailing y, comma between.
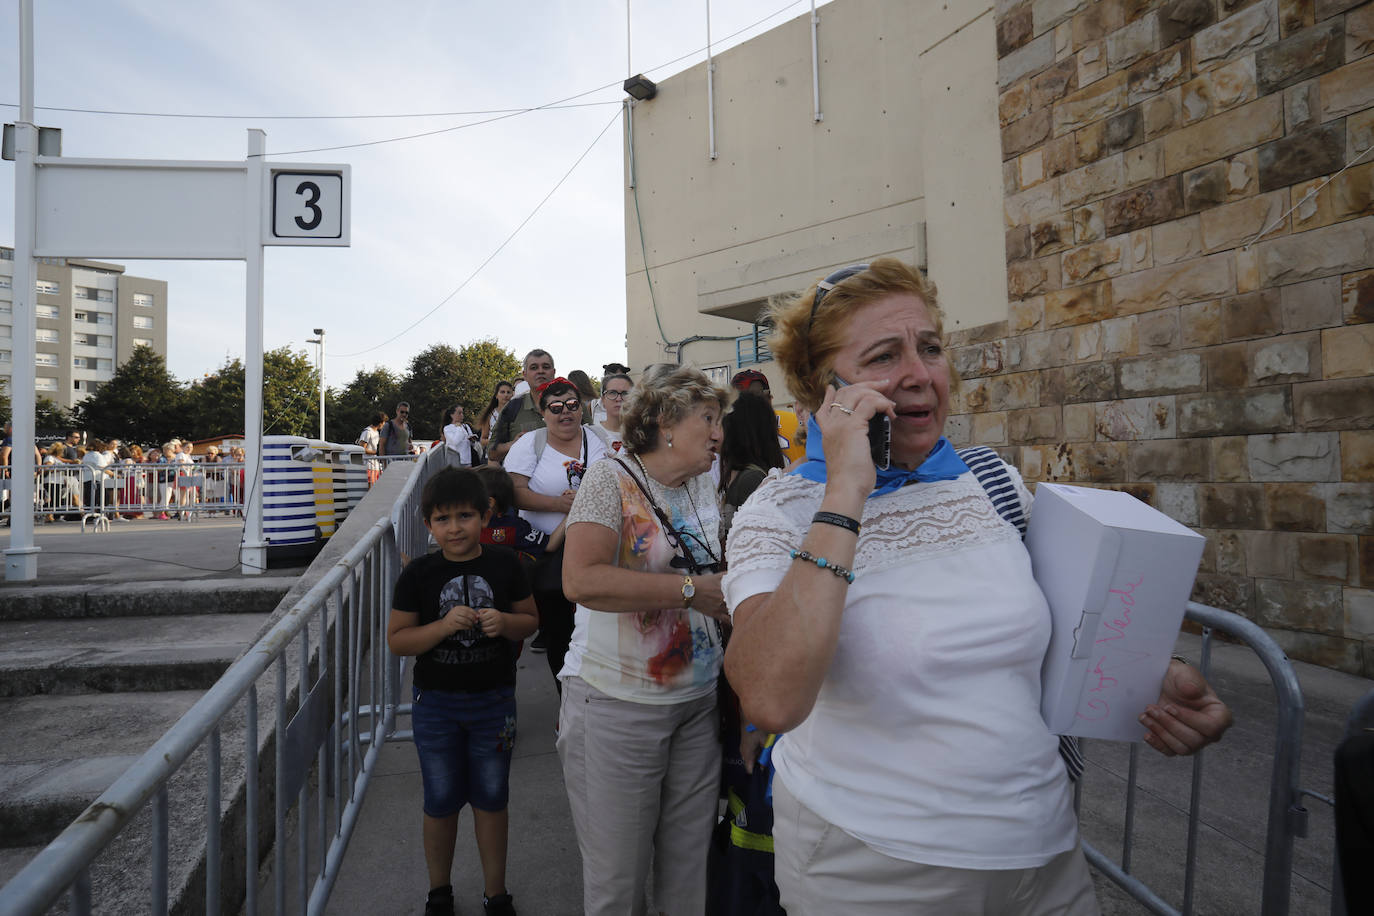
x: 710, y: 83
x: 21, y: 559
x: 253, y: 552
x: 322, y: 439
x: 815, y: 67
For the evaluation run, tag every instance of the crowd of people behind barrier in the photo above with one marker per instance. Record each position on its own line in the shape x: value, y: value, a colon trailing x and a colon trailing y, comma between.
x: 77, y: 479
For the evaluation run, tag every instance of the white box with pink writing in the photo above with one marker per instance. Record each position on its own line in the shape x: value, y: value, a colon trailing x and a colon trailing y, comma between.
x: 1117, y: 574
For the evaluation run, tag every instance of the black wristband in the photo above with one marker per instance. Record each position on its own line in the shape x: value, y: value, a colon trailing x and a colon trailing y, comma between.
x: 836, y: 519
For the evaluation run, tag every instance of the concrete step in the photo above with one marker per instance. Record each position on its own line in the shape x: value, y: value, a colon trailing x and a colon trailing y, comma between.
x: 145, y: 599
x: 121, y: 654
x: 58, y: 753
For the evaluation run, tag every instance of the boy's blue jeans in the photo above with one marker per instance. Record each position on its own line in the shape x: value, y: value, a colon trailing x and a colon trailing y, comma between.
x: 464, y: 741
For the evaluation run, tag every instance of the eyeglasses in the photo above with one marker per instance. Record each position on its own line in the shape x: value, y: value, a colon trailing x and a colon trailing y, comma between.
x: 557, y: 407
x: 615, y: 395
x: 402, y: 413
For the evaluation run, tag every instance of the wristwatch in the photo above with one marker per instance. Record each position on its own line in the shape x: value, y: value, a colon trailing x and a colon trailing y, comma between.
x: 689, y: 591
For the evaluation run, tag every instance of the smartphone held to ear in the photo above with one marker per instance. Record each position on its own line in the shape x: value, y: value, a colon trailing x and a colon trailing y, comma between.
x: 879, y: 434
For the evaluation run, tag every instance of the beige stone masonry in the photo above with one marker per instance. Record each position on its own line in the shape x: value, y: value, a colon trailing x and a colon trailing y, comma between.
x: 1225, y: 134
x: 1347, y: 352
x: 1318, y: 253
x: 1090, y: 103
x: 1357, y: 458
x: 1246, y: 31
x: 1174, y: 284
x: 1348, y: 89
x: 1156, y: 343
x: 1347, y: 195
x: 1235, y: 224
x: 1219, y: 90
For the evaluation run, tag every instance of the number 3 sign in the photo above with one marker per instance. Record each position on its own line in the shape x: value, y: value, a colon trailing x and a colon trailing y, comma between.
x: 309, y: 207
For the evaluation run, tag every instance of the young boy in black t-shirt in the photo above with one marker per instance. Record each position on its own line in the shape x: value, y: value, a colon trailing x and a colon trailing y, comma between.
x: 461, y: 611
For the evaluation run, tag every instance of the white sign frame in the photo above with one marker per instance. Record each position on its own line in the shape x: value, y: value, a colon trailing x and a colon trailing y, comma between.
x: 329, y: 236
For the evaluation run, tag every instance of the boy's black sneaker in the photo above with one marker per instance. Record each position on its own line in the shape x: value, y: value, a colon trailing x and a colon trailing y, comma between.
x: 500, y: 905
x: 537, y: 644
x: 440, y: 902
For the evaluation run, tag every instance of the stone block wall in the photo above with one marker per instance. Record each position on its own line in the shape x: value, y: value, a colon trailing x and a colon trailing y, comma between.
x: 1189, y: 322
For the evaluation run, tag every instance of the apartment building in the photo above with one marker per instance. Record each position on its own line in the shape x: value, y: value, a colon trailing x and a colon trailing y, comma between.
x: 90, y: 316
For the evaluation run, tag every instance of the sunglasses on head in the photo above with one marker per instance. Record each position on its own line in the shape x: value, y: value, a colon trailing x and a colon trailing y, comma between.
x: 829, y: 283
x: 557, y: 407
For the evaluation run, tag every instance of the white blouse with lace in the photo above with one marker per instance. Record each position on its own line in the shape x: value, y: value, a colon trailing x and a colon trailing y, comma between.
x: 926, y: 741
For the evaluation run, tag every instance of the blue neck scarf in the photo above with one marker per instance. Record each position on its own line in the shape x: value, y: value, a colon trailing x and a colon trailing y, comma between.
x: 943, y: 463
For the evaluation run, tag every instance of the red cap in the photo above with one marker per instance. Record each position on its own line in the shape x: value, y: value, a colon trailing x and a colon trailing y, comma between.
x: 743, y: 380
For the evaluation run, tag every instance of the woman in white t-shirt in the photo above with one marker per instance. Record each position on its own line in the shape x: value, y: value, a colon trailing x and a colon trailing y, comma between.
x: 887, y: 622
x: 458, y: 436
x: 639, y: 735
x: 546, y: 468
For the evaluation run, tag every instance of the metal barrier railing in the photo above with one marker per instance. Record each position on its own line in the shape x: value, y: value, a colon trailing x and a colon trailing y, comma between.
x: 1287, y: 818
x: 329, y: 727
x: 124, y: 491
x: 412, y: 537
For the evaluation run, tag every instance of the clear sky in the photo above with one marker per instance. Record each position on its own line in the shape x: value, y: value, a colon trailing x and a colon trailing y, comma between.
x: 427, y: 212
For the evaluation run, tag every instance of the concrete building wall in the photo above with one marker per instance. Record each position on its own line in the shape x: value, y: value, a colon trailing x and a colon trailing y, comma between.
x: 1192, y: 314
x: 85, y: 326
x: 904, y: 158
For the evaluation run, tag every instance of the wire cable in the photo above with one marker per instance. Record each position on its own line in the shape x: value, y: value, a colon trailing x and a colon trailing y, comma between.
x: 492, y: 256
x: 304, y: 117
x: 501, y: 114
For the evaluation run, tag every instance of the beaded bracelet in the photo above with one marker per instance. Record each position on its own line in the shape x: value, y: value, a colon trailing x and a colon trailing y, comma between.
x: 823, y: 563
x: 836, y: 519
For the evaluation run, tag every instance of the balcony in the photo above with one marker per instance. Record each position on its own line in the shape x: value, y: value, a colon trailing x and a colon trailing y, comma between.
x: 752, y: 349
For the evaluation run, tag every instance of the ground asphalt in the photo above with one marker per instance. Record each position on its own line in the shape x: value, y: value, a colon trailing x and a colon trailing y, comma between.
x: 383, y: 871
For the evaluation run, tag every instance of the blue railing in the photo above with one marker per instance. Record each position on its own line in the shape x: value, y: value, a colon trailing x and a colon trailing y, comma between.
x: 752, y: 349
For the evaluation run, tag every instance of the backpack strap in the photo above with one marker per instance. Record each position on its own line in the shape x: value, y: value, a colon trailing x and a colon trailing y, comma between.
x: 992, y: 473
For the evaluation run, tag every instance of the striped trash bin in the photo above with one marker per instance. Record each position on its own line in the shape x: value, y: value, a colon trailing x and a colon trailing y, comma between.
x: 338, y: 471
x: 288, y: 498
x: 355, y: 474
x: 322, y: 473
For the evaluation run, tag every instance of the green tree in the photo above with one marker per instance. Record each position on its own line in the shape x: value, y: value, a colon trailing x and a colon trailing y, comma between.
x: 290, y: 398
x: 372, y: 390
x: 50, y: 417
x: 440, y: 376
x: 142, y: 403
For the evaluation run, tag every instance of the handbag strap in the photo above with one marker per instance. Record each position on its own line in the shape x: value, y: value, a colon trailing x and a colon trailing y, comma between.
x: 663, y: 520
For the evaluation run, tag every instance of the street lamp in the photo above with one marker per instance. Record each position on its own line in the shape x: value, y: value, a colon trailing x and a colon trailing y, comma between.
x: 320, y: 341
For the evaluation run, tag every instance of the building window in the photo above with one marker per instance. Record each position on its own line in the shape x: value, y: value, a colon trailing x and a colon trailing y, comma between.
x: 6, y: 283
x: 48, y: 287
x: 6, y: 308
x: 46, y: 311
x: 79, y: 316
x: 143, y: 300
x: 5, y: 356
x: 46, y: 335
x: 78, y: 362
x: 143, y: 342
x: 101, y: 318
x: 144, y: 322
x: 104, y: 365
x: 83, y: 292
x: 104, y: 295
x: 45, y: 359
x: 44, y: 383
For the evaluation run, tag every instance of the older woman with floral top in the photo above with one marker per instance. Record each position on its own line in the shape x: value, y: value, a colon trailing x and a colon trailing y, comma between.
x: 638, y: 729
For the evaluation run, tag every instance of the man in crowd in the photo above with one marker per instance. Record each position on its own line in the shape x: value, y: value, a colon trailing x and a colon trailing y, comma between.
x: 522, y: 413
x: 395, y: 433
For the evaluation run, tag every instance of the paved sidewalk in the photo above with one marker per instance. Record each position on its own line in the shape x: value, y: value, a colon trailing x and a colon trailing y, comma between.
x: 138, y: 550
x: 384, y: 868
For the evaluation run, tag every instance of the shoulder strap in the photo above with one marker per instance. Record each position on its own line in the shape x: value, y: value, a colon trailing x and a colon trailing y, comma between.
x: 991, y: 472
x: 541, y: 442
x: 674, y: 537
